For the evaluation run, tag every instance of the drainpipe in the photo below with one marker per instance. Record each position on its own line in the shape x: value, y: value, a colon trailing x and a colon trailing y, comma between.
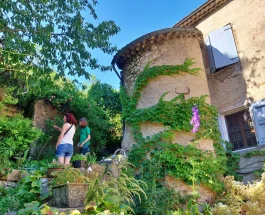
x: 113, y: 66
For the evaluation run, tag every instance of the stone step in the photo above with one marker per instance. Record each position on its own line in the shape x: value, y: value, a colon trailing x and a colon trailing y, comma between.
x: 67, y: 210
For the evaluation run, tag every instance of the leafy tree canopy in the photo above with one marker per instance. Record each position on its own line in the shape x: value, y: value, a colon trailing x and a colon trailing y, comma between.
x: 41, y: 36
x: 106, y: 97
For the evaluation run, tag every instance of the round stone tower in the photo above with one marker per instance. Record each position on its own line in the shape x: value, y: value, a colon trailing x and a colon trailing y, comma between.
x: 163, y: 47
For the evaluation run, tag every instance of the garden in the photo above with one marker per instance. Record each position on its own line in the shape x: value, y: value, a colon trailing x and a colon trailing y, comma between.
x: 42, y: 45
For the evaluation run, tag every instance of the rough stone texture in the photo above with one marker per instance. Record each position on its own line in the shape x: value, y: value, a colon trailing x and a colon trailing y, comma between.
x: 247, y: 167
x: 10, y: 110
x: 127, y: 140
x: 184, y: 189
x: 97, y: 171
x: 7, y: 183
x: 44, y: 187
x: 174, y: 51
x: 13, y: 176
x: 69, y: 195
x: 42, y: 111
x: 229, y: 88
x: 183, y: 138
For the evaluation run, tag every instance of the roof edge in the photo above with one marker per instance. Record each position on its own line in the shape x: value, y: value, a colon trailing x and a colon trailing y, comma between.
x: 202, y: 11
x: 152, y: 35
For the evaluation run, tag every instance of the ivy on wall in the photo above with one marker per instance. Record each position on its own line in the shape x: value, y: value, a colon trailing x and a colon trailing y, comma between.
x: 158, y: 150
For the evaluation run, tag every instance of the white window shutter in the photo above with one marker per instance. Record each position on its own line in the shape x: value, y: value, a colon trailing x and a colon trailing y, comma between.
x: 223, y: 47
x: 258, y: 114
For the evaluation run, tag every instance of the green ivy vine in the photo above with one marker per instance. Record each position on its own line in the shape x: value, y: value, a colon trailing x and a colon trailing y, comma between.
x: 158, y: 150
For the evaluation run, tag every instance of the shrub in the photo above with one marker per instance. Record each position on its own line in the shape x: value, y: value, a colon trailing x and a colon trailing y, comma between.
x: 16, y: 136
x: 242, y: 199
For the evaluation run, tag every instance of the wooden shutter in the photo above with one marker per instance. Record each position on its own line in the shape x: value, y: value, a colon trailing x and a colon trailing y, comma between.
x: 258, y: 114
x: 223, y: 47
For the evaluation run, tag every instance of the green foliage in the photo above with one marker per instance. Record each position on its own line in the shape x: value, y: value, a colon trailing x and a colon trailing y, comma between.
x: 29, y: 187
x: 233, y: 160
x: 91, y: 158
x: 78, y: 157
x: 156, y: 156
x: 28, y: 190
x: 105, y: 97
x: 7, y: 99
x: 34, y: 208
x: 8, y: 200
x: 16, y: 135
x: 115, y: 194
x: 105, y: 124
x: 68, y: 175
x: 160, y: 199
x: 40, y: 36
x: 254, y: 153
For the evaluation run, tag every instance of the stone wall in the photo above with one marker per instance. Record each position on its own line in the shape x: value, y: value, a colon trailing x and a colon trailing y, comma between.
x: 248, y: 165
x: 43, y: 110
x: 230, y: 87
x: 171, y: 52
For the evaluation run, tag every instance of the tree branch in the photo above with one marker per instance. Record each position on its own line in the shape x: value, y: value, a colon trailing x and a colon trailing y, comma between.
x: 25, y: 30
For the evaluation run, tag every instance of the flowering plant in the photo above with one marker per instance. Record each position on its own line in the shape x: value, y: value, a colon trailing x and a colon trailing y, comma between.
x: 195, y: 120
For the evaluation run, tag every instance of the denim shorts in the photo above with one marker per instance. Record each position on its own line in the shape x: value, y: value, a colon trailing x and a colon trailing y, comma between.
x: 64, y: 150
x: 84, y: 150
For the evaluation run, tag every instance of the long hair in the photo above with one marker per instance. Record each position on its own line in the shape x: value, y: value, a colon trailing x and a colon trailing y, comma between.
x: 83, y: 122
x: 70, y: 118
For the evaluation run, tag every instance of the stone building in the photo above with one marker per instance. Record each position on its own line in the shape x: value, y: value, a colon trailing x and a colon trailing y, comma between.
x: 226, y: 39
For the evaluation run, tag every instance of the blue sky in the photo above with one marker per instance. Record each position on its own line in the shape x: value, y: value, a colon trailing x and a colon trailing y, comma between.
x: 136, y: 18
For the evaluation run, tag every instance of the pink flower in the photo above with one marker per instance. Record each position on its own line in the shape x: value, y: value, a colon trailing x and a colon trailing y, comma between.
x: 195, y: 120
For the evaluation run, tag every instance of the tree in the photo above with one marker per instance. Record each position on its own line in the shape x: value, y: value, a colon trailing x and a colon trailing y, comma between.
x: 40, y: 36
x: 106, y: 97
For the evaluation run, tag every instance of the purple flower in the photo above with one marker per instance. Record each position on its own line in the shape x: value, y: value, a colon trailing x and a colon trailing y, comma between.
x: 195, y: 120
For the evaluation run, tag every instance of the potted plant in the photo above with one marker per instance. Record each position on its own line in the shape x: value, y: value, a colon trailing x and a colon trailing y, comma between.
x: 78, y: 160
x: 54, y: 167
x: 69, y: 188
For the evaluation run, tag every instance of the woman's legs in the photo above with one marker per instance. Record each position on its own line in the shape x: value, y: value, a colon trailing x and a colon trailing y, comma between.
x: 61, y: 159
x: 67, y: 160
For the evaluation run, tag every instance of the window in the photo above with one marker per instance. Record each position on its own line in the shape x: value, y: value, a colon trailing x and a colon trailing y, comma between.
x: 221, y: 49
x: 240, y: 130
x: 258, y: 114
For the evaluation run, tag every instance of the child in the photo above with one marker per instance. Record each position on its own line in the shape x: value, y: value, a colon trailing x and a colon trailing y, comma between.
x: 84, y: 136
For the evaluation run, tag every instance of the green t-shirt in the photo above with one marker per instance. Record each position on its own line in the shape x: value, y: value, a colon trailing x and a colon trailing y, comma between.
x: 83, y: 135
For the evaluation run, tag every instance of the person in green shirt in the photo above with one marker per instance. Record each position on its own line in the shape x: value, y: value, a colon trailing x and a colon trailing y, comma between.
x: 85, y: 136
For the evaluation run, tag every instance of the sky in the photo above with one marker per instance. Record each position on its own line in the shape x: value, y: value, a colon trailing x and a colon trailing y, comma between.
x: 136, y: 18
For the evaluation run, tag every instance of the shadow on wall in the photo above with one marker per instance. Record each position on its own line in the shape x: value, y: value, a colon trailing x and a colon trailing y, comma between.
x: 255, y: 77
x: 227, y: 87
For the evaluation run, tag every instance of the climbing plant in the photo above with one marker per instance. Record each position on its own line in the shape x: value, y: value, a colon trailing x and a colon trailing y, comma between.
x: 159, y: 150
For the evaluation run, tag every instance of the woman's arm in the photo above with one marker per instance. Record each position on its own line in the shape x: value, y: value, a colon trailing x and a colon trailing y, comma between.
x: 57, y: 128
x: 63, y: 130
x: 87, y: 139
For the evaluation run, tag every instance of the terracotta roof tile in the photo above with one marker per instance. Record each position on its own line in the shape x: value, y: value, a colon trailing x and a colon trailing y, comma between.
x: 201, y: 12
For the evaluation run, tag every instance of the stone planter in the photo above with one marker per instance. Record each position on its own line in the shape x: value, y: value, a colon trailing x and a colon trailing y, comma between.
x: 53, y: 169
x: 69, y: 195
x: 95, y: 171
